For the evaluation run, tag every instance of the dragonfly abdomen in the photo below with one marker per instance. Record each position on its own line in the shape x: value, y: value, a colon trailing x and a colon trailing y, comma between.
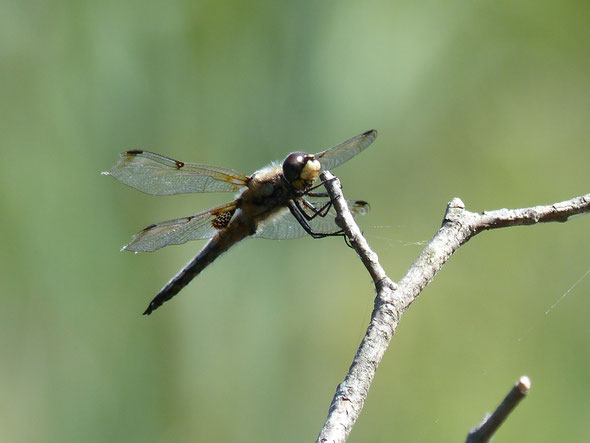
x: 222, y: 241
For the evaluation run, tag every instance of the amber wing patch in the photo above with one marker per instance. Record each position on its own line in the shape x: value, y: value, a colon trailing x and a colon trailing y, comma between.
x: 222, y: 219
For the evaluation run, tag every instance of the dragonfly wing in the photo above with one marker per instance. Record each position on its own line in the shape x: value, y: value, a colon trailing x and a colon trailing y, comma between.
x: 280, y: 227
x: 335, y: 156
x: 175, y: 232
x: 284, y: 226
x: 158, y: 175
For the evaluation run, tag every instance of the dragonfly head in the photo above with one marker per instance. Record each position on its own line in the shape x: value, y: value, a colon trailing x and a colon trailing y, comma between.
x: 301, y: 170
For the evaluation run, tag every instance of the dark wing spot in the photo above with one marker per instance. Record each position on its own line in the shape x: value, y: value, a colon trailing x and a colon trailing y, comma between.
x: 134, y: 152
x: 147, y: 228
x: 178, y: 164
x: 360, y: 207
x: 222, y: 219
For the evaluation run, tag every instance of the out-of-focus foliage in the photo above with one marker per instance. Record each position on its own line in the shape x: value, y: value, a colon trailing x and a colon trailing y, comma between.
x: 487, y: 101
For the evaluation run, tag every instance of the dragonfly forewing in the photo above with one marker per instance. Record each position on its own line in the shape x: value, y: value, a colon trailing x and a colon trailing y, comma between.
x: 335, y: 156
x: 158, y: 175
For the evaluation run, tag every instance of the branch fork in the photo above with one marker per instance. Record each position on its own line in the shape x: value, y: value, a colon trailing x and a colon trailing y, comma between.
x: 393, y: 299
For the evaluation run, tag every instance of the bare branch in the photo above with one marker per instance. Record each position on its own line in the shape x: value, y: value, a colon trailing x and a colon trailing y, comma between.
x: 392, y: 300
x: 484, y: 432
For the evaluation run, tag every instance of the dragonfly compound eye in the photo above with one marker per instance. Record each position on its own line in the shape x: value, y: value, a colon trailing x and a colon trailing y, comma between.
x: 293, y: 165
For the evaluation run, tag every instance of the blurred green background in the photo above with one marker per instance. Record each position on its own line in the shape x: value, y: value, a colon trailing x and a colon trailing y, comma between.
x: 487, y: 101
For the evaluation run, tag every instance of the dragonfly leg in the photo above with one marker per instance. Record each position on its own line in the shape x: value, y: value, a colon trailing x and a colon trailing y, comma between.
x: 302, y: 217
x: 322, y: 211
x: 320, y: 184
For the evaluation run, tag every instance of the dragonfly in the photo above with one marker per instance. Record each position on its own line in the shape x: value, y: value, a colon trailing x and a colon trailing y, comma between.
x: 276, y: 202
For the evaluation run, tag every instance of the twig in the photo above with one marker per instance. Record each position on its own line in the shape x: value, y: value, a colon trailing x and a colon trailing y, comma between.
x: 484, y: 432
x: 392, y: 300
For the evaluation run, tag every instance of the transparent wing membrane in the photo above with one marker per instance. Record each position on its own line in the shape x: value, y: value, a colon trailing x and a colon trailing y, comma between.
x: 158, y: 175
x: 180, y: 230
x: 335, y: 156
x: 284, y: 226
